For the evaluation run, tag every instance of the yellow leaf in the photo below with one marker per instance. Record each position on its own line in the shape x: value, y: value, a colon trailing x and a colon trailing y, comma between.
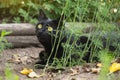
x: 99, y: 65
x: 95, y: 70
x: 26, y: 71
x: 114, y: 67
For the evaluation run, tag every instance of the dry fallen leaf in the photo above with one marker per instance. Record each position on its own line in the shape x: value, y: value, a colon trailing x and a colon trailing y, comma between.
x: 30, y: 73
x: 26, y: 71
x: 95, y: 70
x: 15, y: 59
x: 116, y: 60
x: 74, y: 72
x: 114, y: 67
x: 33, y: 75
x: 24, y: 59
x: 99, y: 65
x: 87, y: 69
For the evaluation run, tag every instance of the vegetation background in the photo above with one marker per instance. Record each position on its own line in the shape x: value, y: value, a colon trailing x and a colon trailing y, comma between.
x: 102, y: 12
x: 83, y: 11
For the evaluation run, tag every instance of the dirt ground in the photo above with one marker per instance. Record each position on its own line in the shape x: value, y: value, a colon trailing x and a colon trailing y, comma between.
x: 19, y: 58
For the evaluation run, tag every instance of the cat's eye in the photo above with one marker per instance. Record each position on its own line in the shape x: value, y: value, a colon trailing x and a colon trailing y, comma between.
x: 39, y: 26
x: 50, y: 28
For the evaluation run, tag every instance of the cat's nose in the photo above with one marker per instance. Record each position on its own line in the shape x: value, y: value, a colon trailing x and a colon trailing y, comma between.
x: 40, y: 31
x: 43, y: 30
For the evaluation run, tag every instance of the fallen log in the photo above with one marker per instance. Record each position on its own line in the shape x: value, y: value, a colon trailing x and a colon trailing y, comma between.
x: 18, y: 29
x: 23, y: 41
x: 23, y: 34
x: 26, y: 29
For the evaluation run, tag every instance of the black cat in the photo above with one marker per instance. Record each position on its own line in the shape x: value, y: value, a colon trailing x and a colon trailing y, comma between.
x: 49, y: 33
x: 46, y: 32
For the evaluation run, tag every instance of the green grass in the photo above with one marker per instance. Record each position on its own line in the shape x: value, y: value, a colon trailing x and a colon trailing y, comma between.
x: 3, y: 42
x: 106, y: 57
x: 9, y: 75
x: 3, y: 45
x: 79, y: 16
x: 101, y: 13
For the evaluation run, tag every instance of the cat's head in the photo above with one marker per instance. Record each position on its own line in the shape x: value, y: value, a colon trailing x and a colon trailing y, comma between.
x: 46, y: 26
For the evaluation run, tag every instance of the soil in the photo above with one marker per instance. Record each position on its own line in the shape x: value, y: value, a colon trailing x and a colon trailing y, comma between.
x: 19, y: 58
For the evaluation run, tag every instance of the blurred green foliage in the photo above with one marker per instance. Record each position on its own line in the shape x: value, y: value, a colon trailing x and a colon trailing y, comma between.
x: 77, y: 10
x: 9, y: 75
x: 19, y: 10
x: 3, y: 41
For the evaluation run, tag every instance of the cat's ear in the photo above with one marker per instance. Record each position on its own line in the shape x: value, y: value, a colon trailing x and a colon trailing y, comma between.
x: 42, y: 15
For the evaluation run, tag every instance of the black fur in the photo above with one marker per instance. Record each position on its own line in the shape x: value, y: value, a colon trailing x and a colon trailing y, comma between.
x: 47, y: 39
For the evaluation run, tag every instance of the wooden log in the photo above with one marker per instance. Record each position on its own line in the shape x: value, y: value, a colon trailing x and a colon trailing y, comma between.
x: 18, y: 29
x: 25, y: 29
x: 23, y: 41
x: 23, y: 34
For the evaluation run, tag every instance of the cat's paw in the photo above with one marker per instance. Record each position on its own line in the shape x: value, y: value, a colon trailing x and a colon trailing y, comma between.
x: 43, y: 55
x: 40, y: 64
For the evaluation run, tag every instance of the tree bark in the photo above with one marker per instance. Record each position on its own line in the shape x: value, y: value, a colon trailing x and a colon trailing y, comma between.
x: 18, y: 29
x: 23, y: 41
